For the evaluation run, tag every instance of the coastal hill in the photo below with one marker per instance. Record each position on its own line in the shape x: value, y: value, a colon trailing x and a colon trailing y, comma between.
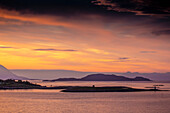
x: 101, y: 77
x: 18, y: 84
x: 6, y: 74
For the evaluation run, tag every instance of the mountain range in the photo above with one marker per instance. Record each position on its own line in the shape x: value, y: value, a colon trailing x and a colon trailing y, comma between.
x: 101, y: 77
x: 53, y: 74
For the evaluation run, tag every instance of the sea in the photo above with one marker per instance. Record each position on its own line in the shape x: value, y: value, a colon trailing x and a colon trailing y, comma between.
x: 55, y: 101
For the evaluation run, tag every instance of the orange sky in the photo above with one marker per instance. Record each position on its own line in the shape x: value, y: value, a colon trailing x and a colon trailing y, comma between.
x: 42, y: 41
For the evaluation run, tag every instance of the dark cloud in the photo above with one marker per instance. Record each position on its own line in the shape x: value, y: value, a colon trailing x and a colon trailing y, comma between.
x: 139, y: 7
x: 131, y: 12
x: 147, y: 51
x: 122, y: 59
x: 110, y: 9
x: 78, y: 7
x: 54, y: 7
x: 162, y: 32
x: 54, y: 49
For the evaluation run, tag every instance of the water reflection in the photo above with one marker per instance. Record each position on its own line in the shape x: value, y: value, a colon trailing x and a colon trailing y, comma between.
x: 54, y: 101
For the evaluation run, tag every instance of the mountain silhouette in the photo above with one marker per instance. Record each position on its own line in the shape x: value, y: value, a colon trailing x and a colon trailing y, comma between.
x: 102, y: 77
x: 6, y: 74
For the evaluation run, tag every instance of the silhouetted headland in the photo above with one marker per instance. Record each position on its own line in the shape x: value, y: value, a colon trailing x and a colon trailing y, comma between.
x: 13, y: 84
x: 19, y: 84
x: 101, y: 77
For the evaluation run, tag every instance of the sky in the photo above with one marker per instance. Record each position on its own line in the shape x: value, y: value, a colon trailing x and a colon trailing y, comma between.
x: 85, y: 35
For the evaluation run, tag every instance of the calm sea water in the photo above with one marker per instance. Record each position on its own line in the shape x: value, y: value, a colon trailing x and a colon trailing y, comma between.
x: 54, y: 101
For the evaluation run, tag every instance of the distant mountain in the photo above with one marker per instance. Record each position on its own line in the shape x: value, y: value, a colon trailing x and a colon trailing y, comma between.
x: 53, y: 74
x: 49, y: 74
x: 6, y: 74
x: 101, y: 77
x: 154, y: 76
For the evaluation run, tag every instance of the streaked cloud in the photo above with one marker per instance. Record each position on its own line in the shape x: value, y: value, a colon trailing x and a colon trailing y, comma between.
x: 139, y: 7
x: 147, y: 51
x: 161, y: 32
x: 123, y: 58
x: 5, y: 47
x: 50, y: 49
x: 106, y: 35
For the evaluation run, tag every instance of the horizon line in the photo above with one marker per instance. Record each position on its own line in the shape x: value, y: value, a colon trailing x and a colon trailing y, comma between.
x: 81, y: 71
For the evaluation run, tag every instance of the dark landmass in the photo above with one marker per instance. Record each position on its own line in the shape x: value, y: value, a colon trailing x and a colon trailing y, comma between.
x: 107, y: 89
x: 12, y: 85
x: 19, y: 84
x: 101, y: 77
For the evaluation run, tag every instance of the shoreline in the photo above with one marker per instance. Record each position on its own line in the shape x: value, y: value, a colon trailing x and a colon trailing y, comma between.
x: 16, y: 85
x: 86, y: 89
x: 107, y: 89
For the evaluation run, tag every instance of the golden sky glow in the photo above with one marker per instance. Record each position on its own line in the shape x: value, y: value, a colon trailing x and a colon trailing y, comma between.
x: 29, y: 41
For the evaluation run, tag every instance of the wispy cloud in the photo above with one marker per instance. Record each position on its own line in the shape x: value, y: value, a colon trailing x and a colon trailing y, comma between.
x: 161, y: 32
x: 123, y: 58
x: 5, y: 47
x: 147, y: 51
x: 51, y: 49
x: 139, y: 7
